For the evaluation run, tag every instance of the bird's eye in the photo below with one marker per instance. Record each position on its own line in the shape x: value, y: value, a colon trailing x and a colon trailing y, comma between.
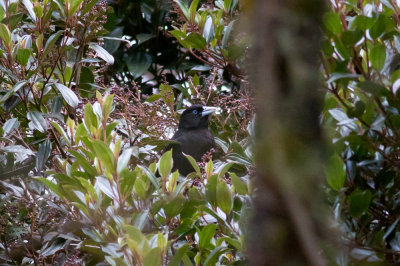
x: 195, y: 112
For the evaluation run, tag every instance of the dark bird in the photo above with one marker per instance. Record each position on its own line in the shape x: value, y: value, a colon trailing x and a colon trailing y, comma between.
x: 193, y: 136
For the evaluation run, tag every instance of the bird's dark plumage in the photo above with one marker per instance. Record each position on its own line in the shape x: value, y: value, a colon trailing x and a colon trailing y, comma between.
x: 194, y: 137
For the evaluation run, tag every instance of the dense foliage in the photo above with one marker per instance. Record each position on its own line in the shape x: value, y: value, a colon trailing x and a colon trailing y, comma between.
x: 78, y: 167
x: 361, y: 65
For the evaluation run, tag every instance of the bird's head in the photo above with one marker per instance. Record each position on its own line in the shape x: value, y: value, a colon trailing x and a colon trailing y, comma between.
x: 196, y: 116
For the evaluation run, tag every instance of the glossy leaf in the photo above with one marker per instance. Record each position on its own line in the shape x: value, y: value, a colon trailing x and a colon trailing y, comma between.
x: 38, y: 121
x: 102, y: 53
x: 43, y: 154
x: 68, y: 95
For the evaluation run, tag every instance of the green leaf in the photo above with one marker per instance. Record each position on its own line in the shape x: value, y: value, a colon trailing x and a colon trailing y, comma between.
x: 106, y: 187
x: 213, y: 257
x: 139, y: 63
x: 38, y: 9
x: 5, y: 35
x: 90, y: 117
x: 359, y: 202
x: 195, y: 41
x: 194, y: 164
x: 88, y: 6
x: 240, y: 186
x: 184, y: 9
x: 211, y: 190
x: 335, y: 172
x: 127, y: 181
x: 9, y: 125
x: 374, y: 88
x: 341, y: 48
x: 140, y: 188
x: 223, y: 168
x: 105, y: 155
x: 14, y: 89
x: 38, y: 121
x: 362, y: 23
x: 123, y: 159
x: 43, y: 154
x: 227, y: 4
x: 206, y: 234
x: 209, y: 169
x: 350, y: 38
x: 52, y: 186
x: 150, y: 176
x: 68, y: 95
x: 29, y: 7
x: 23, y: 56
x: 73, y: 6
x: 378, y: 56
x: 153, y: 258
x: 107, y: 105
x: 224, y: 197
x: 153, y: 98
x: 175, y: 206
x: 337, y: 76
x: 51, y: 42
x: 84, y: 163
x: 2, y: 13
x: 176, y: 260
x: 332, y: 22
x: 192, y: 10
x: 227, y: 33
x: 89, y: 187
x: 208, y: 30
x: 102, y: 53
x: 378, y: 28
x: 165, y: 164
x: 62, y: 132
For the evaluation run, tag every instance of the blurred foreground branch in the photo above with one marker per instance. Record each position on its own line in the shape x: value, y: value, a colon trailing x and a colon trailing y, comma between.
x: 288, y: 226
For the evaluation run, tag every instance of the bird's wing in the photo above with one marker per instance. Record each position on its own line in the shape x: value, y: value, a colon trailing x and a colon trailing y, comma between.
x: 176, y: 145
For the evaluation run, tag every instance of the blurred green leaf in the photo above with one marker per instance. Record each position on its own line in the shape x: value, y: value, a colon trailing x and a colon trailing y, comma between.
x: 335, y: 172
x: 153, y: 258
x: 378, y: 56
x: 332, y: 22
x: 359, y: 202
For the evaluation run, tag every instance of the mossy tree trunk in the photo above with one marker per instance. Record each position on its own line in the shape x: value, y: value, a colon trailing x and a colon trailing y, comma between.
x: 288, y: 227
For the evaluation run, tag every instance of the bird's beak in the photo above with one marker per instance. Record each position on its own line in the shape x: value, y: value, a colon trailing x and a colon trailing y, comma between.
x: 208, y: 110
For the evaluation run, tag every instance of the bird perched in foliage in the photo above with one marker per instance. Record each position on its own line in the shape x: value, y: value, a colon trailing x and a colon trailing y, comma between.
x: 192, y: 137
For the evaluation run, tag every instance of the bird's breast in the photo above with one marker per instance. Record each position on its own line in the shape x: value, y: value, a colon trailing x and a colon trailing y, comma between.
x: 196, y: 143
